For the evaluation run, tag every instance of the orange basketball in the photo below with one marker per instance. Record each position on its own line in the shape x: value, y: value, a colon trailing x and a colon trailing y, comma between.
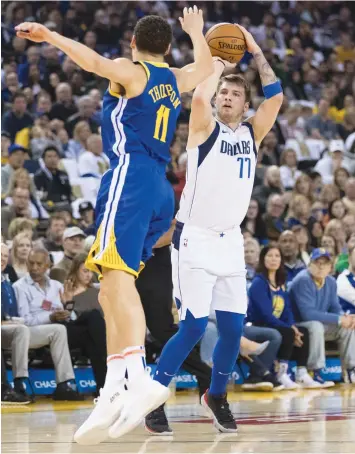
x: 226, y: 41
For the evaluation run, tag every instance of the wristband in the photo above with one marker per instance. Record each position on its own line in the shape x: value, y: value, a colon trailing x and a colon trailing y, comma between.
x: 272, y: 89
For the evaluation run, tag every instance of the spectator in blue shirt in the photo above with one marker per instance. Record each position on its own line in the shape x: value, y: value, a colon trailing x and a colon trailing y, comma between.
x: 315, y: 303
x: 269, y: 306
x: 346, y: 285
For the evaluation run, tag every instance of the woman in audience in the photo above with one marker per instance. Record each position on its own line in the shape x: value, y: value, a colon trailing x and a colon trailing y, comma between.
x: 329, y: 193
x: 21, y: 179
x: 337, y: 210
x: 87, y: 329
x: 336, y: 230
x: 320, y: 213
x: 303, y: 186
x: 341, y: 176
x: 288, y: 170
x: 21, y: 225
x: 329, y: 244
x: 85, y: 295
x: 77, y: 145
x: 253, y: 222
x: 21, y: 248
x: 304, y: 242
x: 269, y: 306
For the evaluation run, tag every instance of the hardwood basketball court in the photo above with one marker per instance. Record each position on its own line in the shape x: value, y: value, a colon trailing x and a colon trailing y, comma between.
x: 312, y: 421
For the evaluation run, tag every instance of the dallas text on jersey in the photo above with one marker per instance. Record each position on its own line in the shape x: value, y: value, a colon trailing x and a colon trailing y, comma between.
x: 235, y: 149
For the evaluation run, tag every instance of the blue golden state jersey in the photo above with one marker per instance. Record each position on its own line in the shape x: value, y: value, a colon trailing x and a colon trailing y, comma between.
x: 144, y: 124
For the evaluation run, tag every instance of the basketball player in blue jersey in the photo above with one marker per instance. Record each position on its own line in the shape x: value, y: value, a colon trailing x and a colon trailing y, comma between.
x: 208, y: 254
x: 135, y: 203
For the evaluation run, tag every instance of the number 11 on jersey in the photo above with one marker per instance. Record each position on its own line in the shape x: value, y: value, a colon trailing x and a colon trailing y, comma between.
x: 162, y: 122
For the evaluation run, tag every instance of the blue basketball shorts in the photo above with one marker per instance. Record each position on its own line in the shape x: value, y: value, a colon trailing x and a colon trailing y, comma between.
x: 135, y: 206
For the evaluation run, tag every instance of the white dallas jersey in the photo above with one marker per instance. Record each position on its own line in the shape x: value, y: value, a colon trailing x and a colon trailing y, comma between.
x: 219, y: 179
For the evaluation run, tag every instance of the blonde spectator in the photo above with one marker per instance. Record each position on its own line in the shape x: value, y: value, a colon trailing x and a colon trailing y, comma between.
x: 329, y: 193
x: 336, y: 230
x: 303, y: 186
x: 21, y: 248
x: 329, y: 244
x: 21, y: 225
x: 77, y: 145
x: 288, y: 169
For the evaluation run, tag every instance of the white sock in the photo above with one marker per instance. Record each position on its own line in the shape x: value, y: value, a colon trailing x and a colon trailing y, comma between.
x: 301, y: 372
x: 116, y: 369
x: 135, y: 361
x: 283, y: 367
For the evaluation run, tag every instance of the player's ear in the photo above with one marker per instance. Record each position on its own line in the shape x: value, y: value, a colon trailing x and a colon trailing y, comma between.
x: 133, y: 44
x: 246, y: 107
x: 168, y: 50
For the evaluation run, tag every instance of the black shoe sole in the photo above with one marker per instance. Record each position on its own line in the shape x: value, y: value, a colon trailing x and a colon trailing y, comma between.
x: 217, y: 425
x: 157, y: 434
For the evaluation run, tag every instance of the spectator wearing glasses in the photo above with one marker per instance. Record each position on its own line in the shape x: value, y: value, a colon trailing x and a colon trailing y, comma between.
x: 316, y: 306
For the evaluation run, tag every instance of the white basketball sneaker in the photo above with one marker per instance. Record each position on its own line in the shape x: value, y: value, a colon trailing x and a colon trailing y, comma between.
x: 306, y: 381
x: 143, y: 396
x: 286, y: 381
x: 106, y: 411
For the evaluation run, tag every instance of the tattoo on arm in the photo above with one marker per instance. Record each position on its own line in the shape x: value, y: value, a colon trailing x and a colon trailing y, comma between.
x: 267, y: 75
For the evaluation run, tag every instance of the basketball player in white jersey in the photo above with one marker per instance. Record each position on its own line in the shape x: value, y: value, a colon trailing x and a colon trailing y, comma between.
x: 208, y: 254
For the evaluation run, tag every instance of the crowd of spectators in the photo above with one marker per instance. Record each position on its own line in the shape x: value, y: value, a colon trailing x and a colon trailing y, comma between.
x: 52, y: 162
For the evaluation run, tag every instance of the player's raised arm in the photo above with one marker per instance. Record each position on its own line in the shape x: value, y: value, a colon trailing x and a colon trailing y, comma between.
x: 201, y: 116
x: 120, y: 70
x: 266, y: 114
x: 191, y: 75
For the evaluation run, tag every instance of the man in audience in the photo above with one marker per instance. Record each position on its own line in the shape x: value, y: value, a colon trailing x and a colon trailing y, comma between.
x: 87, y: 215
x: 272, y: 185
x: 18, y: 118
x: 251, y: 257
x: 52, y: 182
x: 93, y: 162
x: 320, y: 126
x: 54, y: 239
x: 73, y: 244
x: 349, y: 198
x: 332, y: 161
x: 346, y: 285
x: 273, y: 219
x: 86, y: 109
x: 316, y: 306
x: 18, y: 209
x: 35, y: 299
x: 290, y: 251
x: 16, y: 158
x: 64, y: 107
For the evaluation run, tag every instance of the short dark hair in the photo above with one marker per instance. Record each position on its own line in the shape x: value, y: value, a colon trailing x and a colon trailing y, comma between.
x: 50, y: 148
x: 18, y: 94
x: 153, y: 35
x: 238, y: 80
x: 261, y: 268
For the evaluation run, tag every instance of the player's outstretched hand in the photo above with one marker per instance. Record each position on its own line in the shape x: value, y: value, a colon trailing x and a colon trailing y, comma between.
x: 32, y: 31
x: 192, y: 21
x: 252, y: 45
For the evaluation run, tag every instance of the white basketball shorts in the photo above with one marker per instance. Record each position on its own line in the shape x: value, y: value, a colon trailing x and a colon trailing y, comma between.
x: 208, y: 271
